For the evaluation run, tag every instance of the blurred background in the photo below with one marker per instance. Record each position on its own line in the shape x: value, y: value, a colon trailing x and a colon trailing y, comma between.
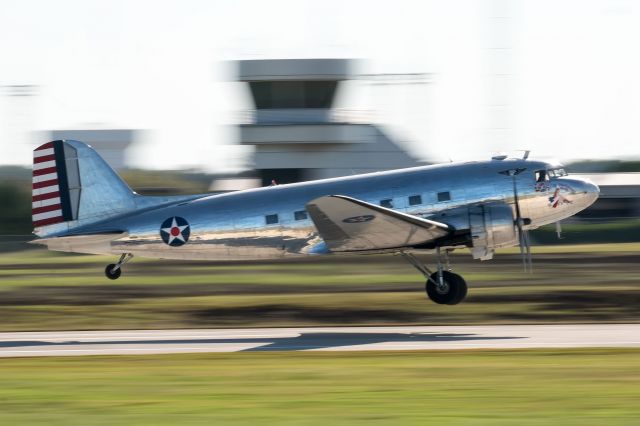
x: 195, y: 96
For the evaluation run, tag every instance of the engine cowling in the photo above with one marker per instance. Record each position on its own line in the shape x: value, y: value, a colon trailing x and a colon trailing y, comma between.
x: 491, y: 226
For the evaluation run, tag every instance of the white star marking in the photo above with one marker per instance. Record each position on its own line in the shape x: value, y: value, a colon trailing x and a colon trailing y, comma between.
x: 172, y: 237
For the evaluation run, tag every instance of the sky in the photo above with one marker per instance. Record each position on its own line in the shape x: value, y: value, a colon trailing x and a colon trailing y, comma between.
x: 557, y: 77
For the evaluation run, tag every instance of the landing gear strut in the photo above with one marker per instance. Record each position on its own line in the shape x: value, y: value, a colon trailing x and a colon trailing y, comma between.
x: 114, y: 270
x: 443, y: 286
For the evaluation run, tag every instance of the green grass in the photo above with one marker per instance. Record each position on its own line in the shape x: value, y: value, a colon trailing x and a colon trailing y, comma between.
x: 41, y: 290
x: 524, y: 387
x: 631, y: 247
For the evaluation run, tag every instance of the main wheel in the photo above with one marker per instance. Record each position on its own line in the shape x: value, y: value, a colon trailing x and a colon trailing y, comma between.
x: 452, y: 292
x: 111, y: 273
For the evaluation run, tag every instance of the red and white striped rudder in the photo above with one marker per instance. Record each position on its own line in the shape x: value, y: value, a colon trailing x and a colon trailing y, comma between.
x: 50, y: 194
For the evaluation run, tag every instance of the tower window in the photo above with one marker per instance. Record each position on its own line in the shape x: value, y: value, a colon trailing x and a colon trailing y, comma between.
x: 300, y: 215
x: 293, y: 94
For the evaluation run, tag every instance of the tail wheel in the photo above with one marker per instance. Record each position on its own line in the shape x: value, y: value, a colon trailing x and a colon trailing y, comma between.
x: 111, y: 273
x: 452, y: 291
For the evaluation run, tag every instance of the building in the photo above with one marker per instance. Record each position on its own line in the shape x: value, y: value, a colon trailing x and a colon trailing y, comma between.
x: 18, y: 105
x: 619, y: 196
x: 294, y: 130
x: 111, y: 144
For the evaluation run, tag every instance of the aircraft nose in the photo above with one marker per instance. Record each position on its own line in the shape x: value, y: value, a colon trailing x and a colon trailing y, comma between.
x: 589, y: 190
x: 588, y: 187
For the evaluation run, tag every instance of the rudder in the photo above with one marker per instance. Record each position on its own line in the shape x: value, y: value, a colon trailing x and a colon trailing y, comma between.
x: 73, y: 186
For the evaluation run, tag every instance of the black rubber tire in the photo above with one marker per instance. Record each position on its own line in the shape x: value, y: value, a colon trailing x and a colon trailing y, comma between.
x: 462, y: 291
x: 455, y: 289
x: 110, y: 273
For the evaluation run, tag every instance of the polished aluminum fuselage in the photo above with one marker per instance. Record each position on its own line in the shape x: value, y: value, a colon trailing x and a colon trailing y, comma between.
x: 233, y: 226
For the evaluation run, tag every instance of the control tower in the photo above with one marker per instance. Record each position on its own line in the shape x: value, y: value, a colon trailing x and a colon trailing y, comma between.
x: 294, y: 129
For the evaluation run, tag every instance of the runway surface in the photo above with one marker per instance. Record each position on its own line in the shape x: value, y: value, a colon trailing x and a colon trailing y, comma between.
x: 317, y: 338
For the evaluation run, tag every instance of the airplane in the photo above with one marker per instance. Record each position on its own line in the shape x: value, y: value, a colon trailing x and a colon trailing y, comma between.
x: 81, y: 205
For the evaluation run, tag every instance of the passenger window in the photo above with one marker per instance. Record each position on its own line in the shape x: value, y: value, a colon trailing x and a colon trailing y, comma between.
x: 388, y: 203
x: 270, y: 219
x: 300, y: 215
x: 414, y: 200
x: 444, y: 196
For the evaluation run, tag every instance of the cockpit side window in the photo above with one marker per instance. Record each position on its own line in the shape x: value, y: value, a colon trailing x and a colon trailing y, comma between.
x: 541, y: 176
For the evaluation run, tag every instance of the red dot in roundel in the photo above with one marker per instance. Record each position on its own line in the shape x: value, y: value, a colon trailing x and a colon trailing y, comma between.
x: 175, y: 231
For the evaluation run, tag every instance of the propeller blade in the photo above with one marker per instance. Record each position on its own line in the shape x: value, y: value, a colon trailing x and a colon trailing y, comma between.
x: 525, y: 248
x: 527, y: 244
x: 559, y: 230
x: 517, y: 202
x: 521, y: 243
x: 523, y: 236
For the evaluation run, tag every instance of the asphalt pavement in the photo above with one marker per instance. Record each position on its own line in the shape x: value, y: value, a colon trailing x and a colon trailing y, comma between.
x: 121, y: 342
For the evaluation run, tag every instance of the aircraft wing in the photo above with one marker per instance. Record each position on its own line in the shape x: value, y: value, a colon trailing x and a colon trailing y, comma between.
x: 347, y: 224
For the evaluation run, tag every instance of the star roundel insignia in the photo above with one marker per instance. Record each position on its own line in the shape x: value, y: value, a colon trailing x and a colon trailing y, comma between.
x: 359, y: 219
x: 175, y: 231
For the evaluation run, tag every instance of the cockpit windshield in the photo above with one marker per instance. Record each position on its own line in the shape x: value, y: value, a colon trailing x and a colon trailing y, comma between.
x: 556, y: 172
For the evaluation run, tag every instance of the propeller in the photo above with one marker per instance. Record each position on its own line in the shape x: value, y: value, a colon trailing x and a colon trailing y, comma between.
x: 559, y: 230
x: 523, y: 234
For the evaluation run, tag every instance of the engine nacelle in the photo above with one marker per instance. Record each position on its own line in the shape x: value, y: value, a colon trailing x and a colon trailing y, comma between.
x: 491, y: 226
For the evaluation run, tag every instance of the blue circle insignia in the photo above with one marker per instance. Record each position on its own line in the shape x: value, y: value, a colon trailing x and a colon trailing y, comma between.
x: 175, y: 231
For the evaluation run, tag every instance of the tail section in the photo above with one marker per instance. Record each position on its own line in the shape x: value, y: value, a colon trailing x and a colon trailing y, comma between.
x: 74, y: 186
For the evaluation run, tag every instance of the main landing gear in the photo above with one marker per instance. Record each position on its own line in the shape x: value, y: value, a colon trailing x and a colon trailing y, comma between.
x: 114, y: 270
x: 443, y: 286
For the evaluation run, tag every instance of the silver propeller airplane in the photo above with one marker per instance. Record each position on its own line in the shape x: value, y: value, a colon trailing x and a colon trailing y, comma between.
x: 81, y: 205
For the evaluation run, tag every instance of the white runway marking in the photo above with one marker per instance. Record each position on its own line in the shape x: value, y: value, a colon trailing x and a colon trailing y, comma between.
x: 128, y: 342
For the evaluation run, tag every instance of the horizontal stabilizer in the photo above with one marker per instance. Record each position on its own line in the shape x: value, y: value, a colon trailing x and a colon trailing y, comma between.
x: 347, y: 224
x: 93, y: 243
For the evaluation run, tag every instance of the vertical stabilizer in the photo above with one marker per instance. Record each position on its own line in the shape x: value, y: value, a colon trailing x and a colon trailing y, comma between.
x: 73, y: 186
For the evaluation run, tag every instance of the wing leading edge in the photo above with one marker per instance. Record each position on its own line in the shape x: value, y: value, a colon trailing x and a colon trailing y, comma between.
x: 347, y: 224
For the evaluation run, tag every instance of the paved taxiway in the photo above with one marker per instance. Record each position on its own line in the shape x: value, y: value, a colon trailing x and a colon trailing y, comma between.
x: 317, y: 338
